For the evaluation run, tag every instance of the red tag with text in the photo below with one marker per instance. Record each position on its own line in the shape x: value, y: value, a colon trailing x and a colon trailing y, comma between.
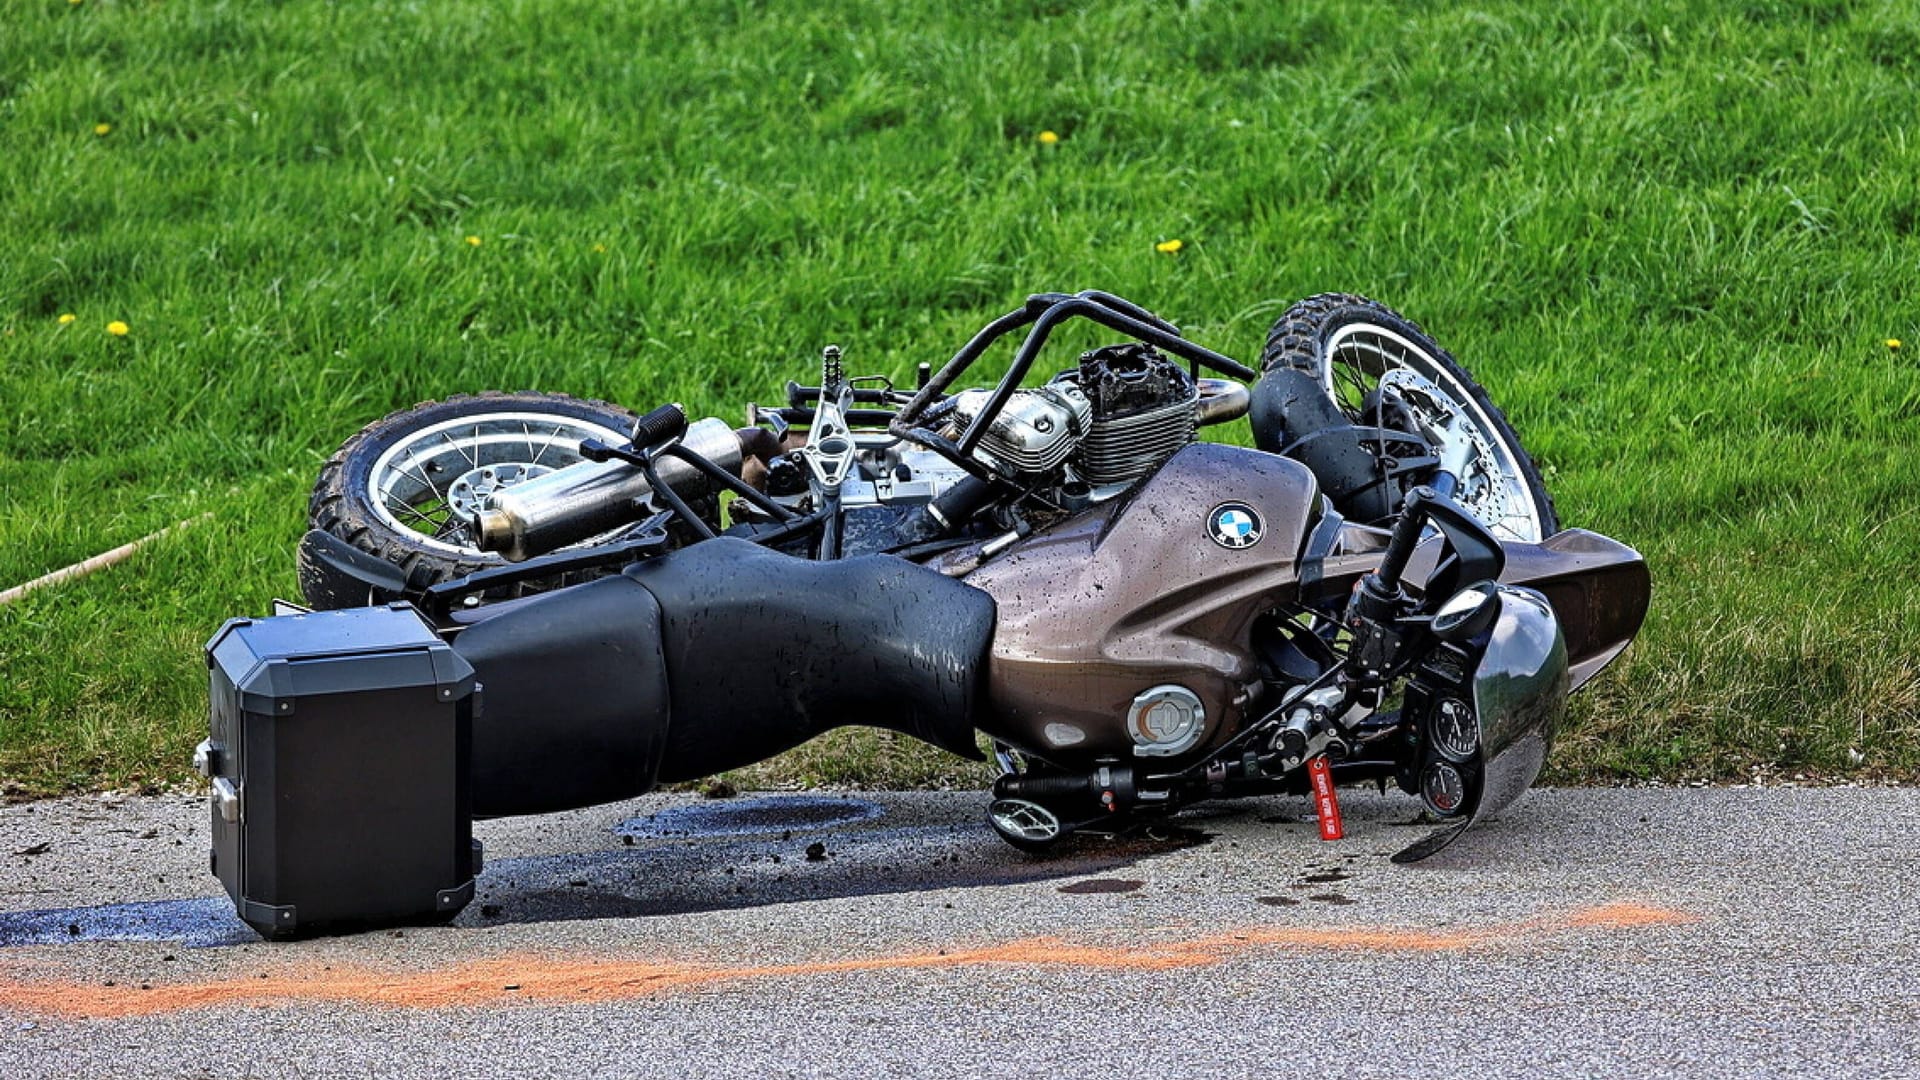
x: 1326, y: 805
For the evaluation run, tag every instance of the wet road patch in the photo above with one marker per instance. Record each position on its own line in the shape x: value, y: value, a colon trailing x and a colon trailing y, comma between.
x: 1094, y: 886
x: 760, y: 816
x: 194, y: 923
x: 751, y: 858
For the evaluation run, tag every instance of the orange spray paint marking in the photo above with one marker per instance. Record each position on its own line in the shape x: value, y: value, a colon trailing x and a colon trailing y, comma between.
x: 1326, y: 804
x: 551, y: 980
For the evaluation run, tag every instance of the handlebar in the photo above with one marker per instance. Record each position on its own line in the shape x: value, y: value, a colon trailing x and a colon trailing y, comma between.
x: 1379, y: 604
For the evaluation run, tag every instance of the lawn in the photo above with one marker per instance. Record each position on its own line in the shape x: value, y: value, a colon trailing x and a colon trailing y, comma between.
x: 1675, y: 239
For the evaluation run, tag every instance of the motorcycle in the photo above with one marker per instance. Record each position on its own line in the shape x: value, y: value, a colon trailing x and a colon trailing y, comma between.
x: 1135, y: 619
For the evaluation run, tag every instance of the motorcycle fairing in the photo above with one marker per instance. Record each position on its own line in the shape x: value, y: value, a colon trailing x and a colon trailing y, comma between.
x: 1599, y: 588
x: 1520, y: 688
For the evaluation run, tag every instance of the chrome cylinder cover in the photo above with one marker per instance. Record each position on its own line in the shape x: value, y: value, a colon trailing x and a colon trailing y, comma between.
x: 1035, y: 432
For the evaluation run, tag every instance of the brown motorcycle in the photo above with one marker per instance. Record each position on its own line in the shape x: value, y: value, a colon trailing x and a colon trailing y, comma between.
x: 1135, y: 619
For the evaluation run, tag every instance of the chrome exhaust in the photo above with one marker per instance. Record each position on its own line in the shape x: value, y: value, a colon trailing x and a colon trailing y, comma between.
x: 1221, y: 400
x: 586, y: 499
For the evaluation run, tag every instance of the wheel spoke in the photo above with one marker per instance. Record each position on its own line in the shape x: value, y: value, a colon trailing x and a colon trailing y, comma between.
x: 422, y: 473
x: 545, y: 445
x: 451, y: 528
x: 472, y: 459
x: 413, y: 513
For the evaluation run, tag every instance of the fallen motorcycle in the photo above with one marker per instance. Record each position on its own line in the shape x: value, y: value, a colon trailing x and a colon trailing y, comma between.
x: 526, y: 603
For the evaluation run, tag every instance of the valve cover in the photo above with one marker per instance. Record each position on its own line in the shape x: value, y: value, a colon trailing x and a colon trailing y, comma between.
x: 1035, y: 432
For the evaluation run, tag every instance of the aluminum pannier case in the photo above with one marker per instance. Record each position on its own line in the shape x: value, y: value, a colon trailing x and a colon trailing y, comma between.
x: 339, y: 756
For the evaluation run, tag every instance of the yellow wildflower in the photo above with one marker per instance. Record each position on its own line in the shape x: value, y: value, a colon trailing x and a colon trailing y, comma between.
x: 117, y: 328
x: 102, y: 129
x: 1893, y: 343
x: 1048, y: 138
x: 1169, y: 247
x: 599, y: 249
x: 473, y: 241
x: 67, y: 318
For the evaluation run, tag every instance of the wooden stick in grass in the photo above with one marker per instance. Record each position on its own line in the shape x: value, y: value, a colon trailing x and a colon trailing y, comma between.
x: 98, y: 562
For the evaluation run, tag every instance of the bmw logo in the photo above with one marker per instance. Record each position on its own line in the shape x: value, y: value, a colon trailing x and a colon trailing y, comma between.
x: 1235, y: 525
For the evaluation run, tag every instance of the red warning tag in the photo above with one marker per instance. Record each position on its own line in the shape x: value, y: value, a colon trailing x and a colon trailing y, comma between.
x: 1326, y: 805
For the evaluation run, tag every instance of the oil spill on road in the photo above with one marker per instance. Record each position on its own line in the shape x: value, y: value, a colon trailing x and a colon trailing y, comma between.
x: 751, y: 817
x: 682, y: 878
x: 1325, y: 877
x: 752, y: 854
x: 1094, y: 886
x: 511, y: 979
x: 198, y: 923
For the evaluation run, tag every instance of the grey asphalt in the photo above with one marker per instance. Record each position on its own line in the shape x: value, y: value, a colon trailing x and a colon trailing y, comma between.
x: 1698, y: 932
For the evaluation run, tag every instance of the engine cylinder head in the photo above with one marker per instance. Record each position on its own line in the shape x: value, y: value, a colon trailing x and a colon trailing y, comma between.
x: 1144, y: 410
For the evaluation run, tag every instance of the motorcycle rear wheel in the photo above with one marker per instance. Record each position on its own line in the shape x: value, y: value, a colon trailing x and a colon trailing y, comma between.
x: 400, y: 488
x: 1349, y: 343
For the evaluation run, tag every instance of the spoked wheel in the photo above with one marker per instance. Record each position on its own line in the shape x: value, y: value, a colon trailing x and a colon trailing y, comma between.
x: 405, y: 488
x: 1385, y: 372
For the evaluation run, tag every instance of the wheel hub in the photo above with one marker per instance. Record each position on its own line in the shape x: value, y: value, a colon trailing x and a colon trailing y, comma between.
x: 473, y: 491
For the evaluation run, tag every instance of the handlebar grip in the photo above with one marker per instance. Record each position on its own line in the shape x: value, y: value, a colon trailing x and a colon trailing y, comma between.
x: 662, y: 425
x: 1406, y: 537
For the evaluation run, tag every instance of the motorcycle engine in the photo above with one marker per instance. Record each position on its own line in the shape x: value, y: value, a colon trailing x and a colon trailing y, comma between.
x: 1036, y: 431
x: 1110, y: 420
x: 1144, y: 409
x: 1085, y: 436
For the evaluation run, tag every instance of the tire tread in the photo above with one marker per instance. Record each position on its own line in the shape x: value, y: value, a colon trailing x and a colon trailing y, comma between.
x: 1298, y: 338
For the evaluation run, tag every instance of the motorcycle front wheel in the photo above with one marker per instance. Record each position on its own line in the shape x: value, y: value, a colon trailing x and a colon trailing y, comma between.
x: 1356, y: 347
x: 404, y: 488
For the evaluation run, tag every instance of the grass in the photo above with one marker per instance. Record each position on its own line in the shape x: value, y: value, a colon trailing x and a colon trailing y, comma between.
x: 1672, y: 237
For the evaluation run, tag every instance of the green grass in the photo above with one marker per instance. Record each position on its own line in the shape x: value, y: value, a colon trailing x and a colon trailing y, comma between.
x: 1671, y: 237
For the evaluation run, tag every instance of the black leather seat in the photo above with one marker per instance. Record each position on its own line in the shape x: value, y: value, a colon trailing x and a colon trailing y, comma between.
x: 713, y: 657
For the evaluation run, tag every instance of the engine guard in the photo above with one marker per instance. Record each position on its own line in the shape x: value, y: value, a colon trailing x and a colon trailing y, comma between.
x: 1520, y: 690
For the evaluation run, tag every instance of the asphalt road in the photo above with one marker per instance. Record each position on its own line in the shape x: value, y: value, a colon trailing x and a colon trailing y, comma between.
x: 1649, y: 932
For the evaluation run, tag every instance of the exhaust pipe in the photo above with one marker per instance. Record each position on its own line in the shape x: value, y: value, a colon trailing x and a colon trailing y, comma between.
x: 1221, y: 400
x: 586, y: 499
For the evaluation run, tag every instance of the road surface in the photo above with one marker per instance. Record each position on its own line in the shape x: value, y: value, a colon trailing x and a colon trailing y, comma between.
x: 1590, y: 932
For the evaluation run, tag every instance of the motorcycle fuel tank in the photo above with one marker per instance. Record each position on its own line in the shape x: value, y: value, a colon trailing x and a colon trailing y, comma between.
x: 1154, y: 591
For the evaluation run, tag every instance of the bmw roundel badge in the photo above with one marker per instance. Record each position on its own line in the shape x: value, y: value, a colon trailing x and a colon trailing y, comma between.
x: 1235, y: 525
